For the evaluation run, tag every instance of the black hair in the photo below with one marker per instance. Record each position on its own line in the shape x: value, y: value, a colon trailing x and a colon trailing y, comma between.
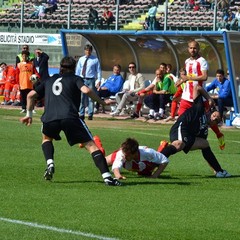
x: 220, y: 71
x: 88, y: 47
x: 67, y: 64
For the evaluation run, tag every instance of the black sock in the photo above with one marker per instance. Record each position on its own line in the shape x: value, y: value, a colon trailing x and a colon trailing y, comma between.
x: 101, y: 163
x: 48, y: 150
x: 211, y: 159
x: 169, y: 150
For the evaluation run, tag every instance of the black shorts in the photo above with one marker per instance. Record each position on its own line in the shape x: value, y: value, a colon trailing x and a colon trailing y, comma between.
x: 179, y: 132
x: 76, y: 131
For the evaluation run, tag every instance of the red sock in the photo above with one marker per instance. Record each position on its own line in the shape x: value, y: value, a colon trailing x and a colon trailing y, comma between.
x: 99, y: 144
x: 139, y: 106
x: 173, y: 108
x: 215, y: 128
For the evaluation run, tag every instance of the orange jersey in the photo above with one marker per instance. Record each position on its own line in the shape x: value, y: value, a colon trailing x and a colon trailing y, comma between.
x: 25, y: 70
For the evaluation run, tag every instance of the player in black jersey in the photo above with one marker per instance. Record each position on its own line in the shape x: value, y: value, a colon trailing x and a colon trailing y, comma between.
x: 62, y: 94
x: 191, y: 129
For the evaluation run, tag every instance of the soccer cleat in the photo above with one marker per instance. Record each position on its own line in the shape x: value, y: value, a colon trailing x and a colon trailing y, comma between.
x: 149, y: 116
x: 48, y: 175
x: 162, y: 145
x: 112, y: 181
x: 221, y: 142
x: 115, y: 113
x: 23, y: 111
x: 223, y: 174
x: 134, y: 115
x: 98, y: 142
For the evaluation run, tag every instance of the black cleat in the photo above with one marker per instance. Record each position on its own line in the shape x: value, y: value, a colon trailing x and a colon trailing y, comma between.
x: 134, y: 115
x: 48, y: 175
x: 112, y: 181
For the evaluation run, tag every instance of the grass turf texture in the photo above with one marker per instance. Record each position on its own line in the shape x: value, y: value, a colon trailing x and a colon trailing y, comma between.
x: 186, y: 202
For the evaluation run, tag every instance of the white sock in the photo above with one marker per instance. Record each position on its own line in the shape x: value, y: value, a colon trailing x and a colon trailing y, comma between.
x: 106, y: 175
x: 161, y: 111
x: 151, y: 112
x: 50, y: 163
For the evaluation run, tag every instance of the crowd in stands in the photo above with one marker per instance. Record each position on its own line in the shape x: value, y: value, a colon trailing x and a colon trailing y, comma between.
x: 93, y: 14
x: 40, y: 8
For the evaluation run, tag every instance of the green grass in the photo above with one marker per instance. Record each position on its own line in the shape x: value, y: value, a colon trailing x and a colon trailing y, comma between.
x: 186, y: 202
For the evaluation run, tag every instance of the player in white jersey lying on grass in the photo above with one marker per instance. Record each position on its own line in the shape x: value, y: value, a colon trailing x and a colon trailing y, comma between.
x: 141, y: 159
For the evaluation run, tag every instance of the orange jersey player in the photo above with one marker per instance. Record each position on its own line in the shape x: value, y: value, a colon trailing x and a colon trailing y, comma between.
x: 25, y: 69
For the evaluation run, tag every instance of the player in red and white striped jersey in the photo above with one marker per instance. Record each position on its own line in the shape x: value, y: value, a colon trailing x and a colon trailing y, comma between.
x: 197, y: 72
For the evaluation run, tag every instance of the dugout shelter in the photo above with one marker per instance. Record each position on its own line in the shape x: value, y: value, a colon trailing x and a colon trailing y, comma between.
x: 149, y: 48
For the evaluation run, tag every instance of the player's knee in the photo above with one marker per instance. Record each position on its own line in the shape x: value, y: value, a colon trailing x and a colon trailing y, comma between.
x: 179, y: 145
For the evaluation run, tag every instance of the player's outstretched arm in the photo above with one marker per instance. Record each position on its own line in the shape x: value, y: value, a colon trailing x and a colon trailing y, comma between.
x: 198, y: 90
x: 27, y: 120
x: 92, y: 95
x: 159, y: 170
x: 117, y: 174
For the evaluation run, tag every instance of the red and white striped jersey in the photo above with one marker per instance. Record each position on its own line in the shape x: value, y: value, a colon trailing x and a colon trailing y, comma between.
x: 146, y: 155
x: 194, y: 67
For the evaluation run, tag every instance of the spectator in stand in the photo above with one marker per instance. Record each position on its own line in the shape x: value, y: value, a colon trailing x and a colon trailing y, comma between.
x: 92, y: 18
x: 132, y: 85
x: 25, y: 69
x: 235, y: 23
x: 223, y: 97
x: 88, y: 67
x: 223, y: 5
x: 176, y: 97
x: 51, y: 6
x: 228, y: 17
x: 25, y: 48
x: 35, y: 5
x: 9, y: 77
x: 196, y: 8
x: 112, y: 85
x: 189, y: 4
x: 152, y: 16
x: 41, y: 11
x: 146, y: 24
x: 107, y: 17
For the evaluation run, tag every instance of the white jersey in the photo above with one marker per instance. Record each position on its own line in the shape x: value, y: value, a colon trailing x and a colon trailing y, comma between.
x: 194, y: 67
x: 145, y: 154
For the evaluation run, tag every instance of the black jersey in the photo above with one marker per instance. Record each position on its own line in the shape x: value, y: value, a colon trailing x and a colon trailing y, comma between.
x: 194, y: 119
x: 62, y: 96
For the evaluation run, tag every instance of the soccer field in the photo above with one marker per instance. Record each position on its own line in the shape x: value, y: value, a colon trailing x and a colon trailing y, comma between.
x: 186, y: 202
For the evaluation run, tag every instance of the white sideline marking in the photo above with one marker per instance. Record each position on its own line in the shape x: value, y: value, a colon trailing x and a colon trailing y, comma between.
x: 61, y: 230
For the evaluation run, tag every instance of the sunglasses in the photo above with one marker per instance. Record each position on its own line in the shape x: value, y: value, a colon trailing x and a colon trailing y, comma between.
x: 131, y: 67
